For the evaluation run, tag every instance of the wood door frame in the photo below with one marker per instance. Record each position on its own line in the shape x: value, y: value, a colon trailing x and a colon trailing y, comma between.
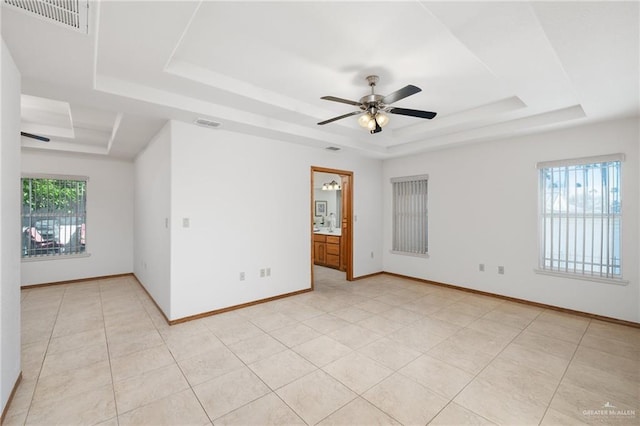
x: 349, y: 234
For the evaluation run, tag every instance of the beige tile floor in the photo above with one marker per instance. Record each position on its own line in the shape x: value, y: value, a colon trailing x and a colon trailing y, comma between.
x: 382, y: 350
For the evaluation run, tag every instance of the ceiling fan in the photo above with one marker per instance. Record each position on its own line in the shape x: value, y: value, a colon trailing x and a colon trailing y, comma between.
x: 373, y: 107
x: 36, y: 137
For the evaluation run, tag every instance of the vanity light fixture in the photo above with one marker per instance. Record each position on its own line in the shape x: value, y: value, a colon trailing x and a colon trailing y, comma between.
x: 332, y: 186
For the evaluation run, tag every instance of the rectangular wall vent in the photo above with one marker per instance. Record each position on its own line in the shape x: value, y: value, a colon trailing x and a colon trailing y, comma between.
x: 332, y: 148
x: 207, y: 123
x: 70, y: 13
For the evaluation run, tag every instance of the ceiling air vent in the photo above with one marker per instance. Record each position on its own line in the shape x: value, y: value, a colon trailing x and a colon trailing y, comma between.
x: 207, y: 123
x: 70, y: 13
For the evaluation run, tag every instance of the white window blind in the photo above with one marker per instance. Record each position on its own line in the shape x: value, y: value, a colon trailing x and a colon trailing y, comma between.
x: 410, y: 231
x: 53, y: 215
x: 580, y: 215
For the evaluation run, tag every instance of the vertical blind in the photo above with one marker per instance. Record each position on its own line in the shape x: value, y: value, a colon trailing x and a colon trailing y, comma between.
x: 410, y: 231
x: 580, y: 215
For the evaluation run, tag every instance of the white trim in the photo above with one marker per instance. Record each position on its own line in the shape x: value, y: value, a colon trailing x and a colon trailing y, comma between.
x: 54, y: 176
x: 406, y: 253
x: 580, y: 161
x: 616, y: 281
x: 54, y: 257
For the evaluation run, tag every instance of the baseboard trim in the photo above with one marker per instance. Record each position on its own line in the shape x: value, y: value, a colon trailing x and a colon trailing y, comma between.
x: 523, y: 301
x: 362, y: 277
x: 235, y: 307
x: 270, y: 299
x: 222, y: 310
x: 5, y: 410
x: 77, y: 281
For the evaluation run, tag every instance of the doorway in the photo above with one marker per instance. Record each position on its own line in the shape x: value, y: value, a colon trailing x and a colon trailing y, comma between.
x: 330, y: 219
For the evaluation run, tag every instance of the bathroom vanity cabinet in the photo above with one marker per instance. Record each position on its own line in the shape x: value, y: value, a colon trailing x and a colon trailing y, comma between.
x: 326, y: 250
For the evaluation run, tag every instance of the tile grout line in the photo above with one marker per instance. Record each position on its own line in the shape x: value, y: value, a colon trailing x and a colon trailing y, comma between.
x: 113, y: 383
x: 481, y: 370
x: 44, y: 356
x: 565, y: 371
x: 397, y: 371
x: 66, y: 294
x: 273, y: 391
x: 140, y: 297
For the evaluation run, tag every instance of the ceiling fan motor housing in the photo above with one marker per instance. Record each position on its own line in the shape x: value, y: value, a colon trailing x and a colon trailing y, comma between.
x: 371, y: 99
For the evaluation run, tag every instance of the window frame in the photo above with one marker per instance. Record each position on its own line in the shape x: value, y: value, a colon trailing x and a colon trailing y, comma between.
x: 425, y: 209
x: 542, y: 216
x: 54, y: 255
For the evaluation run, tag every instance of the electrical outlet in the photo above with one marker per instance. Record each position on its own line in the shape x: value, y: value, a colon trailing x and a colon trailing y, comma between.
x: 185, y: 222
x: 262, y: 273
x: 481, y: 267
x: 501, y: 270
x: 268, y: 272
x: 241, y: 276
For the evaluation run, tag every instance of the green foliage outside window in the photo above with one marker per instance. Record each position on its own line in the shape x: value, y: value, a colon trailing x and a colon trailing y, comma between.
x: 52, y: 194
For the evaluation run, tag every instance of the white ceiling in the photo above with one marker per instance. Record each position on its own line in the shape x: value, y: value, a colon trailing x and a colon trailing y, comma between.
x: 490, y: 70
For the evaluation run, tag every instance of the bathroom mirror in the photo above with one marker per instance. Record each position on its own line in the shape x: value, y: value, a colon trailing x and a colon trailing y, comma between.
x: 332, y: 197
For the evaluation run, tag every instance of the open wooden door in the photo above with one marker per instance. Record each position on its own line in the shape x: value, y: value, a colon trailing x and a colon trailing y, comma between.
x: 346, y: 220
x: 345, y: 256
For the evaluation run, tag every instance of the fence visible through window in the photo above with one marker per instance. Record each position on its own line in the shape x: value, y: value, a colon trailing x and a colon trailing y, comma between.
x: 53, y: 216
x: 580, y: 218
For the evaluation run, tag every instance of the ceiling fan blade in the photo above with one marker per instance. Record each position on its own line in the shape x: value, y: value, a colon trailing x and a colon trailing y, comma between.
x: 341, y: 100
x: 401, y: 94
x: 37, y: 137
x: 339, y: 118
x: 413, y: 112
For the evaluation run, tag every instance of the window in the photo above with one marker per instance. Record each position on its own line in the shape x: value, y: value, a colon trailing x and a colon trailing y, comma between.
x: 579, y: 217
x: 410, y: 215
x: 53, y: 216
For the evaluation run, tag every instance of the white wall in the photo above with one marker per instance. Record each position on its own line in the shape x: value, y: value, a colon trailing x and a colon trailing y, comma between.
x: 239, y: 221
x: 109, y: 217
x: 9, y: 225
x: 152, y: 213
x: 483, y: 209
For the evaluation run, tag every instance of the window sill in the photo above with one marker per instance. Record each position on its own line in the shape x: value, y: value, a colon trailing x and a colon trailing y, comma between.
x: 54, y: 257
x: 405, y: 253
x: 616, y: 281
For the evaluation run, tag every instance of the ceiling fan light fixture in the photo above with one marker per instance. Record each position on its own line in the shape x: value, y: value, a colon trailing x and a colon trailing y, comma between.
x: 372, y: 124
x: 364, y: 120
x: 382, y: 119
